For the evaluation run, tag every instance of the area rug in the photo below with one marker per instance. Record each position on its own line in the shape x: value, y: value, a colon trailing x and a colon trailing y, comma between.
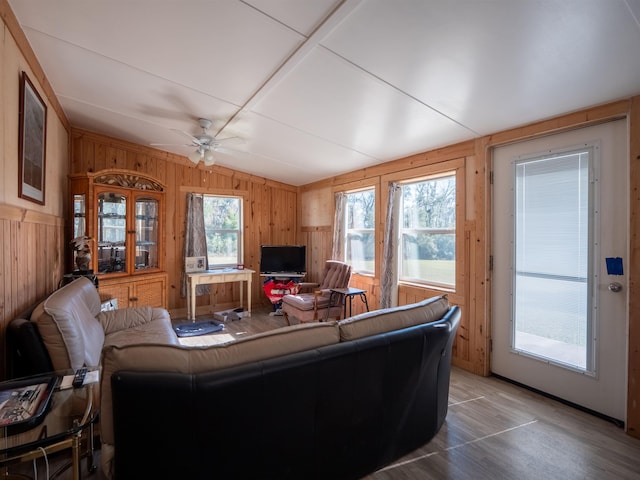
x: 206, y: 340
x: 192, y: 329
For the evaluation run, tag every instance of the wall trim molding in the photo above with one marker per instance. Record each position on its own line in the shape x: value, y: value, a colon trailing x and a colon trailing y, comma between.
x: 24, y: 215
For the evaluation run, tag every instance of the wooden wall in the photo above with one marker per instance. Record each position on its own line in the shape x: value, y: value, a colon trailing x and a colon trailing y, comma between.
x: 270, y: 215
x: 31, y: 235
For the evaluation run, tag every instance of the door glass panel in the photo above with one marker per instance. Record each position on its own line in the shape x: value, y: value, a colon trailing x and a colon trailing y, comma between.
x: 146, y: 233
x: 112, y: 230
x: 551, y: 303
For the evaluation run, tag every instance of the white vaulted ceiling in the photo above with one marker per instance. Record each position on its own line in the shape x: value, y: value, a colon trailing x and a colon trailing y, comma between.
x: 317, y: 88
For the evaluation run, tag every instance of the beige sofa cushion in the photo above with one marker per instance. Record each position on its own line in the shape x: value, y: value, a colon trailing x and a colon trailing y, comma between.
x: 386, y: 320
x: 113, y: 321
x: 156, y: 331
x: 67, y: 323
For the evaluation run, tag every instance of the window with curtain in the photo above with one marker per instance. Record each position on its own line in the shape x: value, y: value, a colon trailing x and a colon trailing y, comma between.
x: 427, y: 233
x: 359, y: 231
x: 223, y: 229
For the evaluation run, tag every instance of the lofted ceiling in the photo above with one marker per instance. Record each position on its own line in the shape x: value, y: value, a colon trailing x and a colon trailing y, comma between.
x: 316, y: 88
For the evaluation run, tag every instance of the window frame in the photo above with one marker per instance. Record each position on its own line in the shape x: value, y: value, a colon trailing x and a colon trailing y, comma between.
x: 436, y: 168
x: 406, y: 278
x: 239, y: 231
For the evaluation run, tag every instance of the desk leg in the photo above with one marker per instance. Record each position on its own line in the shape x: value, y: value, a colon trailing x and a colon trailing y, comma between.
x: 188, y: 298
x: 249, y: 296
x: 191, y: 301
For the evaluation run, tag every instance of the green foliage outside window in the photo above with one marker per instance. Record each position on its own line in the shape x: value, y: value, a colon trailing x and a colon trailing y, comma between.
x: 360, y: 230
x: 427, y: 233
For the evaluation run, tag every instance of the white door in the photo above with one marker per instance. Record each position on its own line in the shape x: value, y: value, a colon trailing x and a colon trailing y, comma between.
x: 559, y: 247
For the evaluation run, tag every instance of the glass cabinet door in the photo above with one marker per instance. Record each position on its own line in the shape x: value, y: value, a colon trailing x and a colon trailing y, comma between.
x: 79, y: 216
x: 112, y: 232
x: 147, y: 211
x: 79, y: 219
x: 121, y: 214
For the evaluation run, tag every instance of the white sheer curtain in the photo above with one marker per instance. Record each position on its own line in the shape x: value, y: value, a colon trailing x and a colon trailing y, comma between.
x: 195, y: 239
x: 389, y: 280
x: 337, y: 251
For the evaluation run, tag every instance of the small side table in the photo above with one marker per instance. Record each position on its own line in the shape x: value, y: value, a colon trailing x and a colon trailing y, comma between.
x: 64, y: 424
x: 348, y: 293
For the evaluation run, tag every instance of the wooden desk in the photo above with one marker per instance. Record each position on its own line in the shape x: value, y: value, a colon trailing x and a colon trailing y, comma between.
x: 222, y: 275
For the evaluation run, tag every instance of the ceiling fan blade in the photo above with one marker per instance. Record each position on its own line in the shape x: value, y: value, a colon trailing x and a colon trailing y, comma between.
x: 191, y: 137
x: 171, y: 145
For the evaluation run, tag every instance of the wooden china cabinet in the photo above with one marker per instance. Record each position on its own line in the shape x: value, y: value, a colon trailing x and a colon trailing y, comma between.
x: 122, y: 212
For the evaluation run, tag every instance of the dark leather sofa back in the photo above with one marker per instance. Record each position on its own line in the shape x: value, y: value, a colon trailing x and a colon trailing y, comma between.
x: 336, y: 412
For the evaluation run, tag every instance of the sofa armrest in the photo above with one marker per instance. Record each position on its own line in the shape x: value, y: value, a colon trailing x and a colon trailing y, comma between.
x: 116, y: 320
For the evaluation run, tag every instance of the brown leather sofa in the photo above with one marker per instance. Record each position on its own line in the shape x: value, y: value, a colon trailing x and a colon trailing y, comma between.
x: 319, y: 400
x: 68, y: 330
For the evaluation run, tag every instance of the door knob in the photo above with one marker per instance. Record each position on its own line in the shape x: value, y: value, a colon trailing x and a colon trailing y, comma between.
x: 615, y: 287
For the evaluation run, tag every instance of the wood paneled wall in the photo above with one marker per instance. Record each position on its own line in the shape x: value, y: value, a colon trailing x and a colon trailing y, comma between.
x: 31, y: 235
x: 31, y: 264
x: 269, y: 207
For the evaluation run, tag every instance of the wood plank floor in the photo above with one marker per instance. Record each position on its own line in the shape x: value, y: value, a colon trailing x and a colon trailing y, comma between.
x: 496, y: 430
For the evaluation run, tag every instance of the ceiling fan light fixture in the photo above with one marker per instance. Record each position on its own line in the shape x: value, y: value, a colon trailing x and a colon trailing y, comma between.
x: 209, y: 159
x: 196, y: 156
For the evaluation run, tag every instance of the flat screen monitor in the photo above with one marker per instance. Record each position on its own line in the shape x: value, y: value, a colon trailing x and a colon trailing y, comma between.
x: 283, y: 259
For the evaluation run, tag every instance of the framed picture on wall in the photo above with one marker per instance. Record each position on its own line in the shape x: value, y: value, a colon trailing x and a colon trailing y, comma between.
x: 31, y: 142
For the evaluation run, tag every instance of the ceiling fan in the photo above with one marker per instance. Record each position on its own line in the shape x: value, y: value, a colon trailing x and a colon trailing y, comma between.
x: 204, y: 143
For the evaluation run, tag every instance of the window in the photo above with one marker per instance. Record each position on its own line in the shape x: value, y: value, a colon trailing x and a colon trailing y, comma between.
x: 223, y: 228
x: 359, y: 247
x: 428, y: 231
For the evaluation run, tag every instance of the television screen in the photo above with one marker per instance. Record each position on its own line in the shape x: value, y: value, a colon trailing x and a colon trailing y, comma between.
x: 283, y: 259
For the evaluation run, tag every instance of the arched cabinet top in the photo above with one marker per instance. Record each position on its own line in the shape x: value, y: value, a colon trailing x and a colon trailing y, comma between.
x: 123, y: 179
